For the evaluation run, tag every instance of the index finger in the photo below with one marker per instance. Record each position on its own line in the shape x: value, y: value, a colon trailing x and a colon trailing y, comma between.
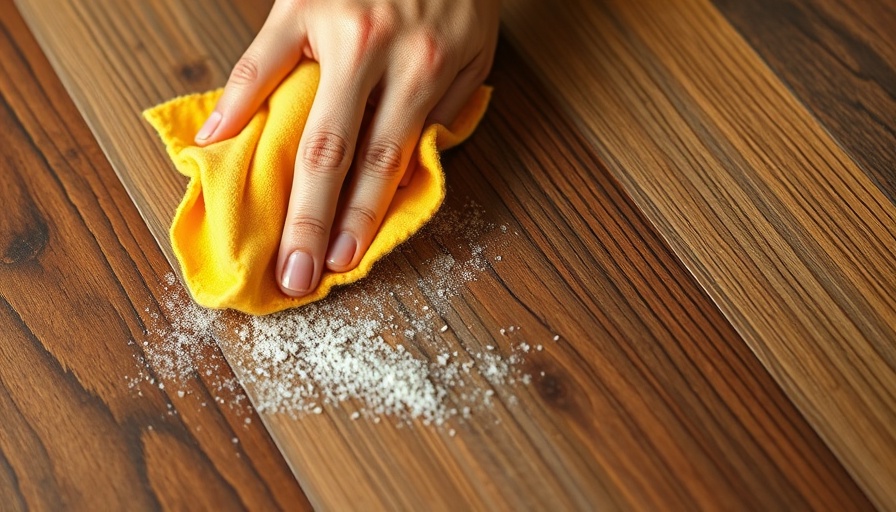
x: 275, y: 51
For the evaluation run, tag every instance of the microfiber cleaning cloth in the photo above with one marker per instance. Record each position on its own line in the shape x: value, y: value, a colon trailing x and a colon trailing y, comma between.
x: 226, y: 231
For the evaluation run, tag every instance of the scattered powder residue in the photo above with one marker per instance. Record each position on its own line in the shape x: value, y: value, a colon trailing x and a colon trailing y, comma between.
x: 326, y: 354
x: 345, y: 350
x: 181, y: 346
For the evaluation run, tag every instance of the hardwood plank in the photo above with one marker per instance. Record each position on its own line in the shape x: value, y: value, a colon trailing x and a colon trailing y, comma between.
x: 785, y: 232
x: 79, y: 281
x: 839, y: 58
x: 650, y: 400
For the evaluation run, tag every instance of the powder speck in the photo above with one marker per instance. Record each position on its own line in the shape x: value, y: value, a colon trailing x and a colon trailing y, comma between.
x: 339, y: 351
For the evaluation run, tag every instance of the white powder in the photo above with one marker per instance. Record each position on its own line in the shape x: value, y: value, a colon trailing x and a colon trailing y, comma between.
x: 339, y: 353
x: 180, y: 348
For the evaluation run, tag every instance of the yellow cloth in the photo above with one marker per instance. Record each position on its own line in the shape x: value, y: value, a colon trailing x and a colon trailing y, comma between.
x: 226, y: 231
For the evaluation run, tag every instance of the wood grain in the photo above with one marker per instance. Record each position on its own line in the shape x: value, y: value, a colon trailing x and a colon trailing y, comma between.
x: 839, y: 58
x: 79, y: 282
x: 650, y: 401
x: 784, y: 231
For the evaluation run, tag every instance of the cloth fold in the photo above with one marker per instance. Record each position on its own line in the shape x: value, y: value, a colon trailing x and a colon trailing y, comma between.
x: 226, y: 231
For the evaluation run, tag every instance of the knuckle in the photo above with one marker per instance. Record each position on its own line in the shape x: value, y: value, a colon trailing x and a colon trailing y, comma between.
x: 429, y: 66
x: 384, y: 19
x: 369, y: 30
x: 306, y: 226
x: 325, y: 152
x: 245, y: 72
x: 433, y: 58
x: 362, y: 215
x: 383, y: 160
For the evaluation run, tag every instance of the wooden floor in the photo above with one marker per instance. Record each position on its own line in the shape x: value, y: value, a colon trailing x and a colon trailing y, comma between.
x: 704, y: 194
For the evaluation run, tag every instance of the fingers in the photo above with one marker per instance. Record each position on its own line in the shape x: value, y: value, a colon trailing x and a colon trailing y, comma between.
x: 323, y: 159
x: 466, y: 82
x: 444, y: 113
x: 274, y: 52
x: 410, y: 60
x: 457, y: 95
x: 389, y: 145
x: 388, y: 156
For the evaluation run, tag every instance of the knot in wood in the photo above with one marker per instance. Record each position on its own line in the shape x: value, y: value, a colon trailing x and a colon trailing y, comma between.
x: 194, y: 72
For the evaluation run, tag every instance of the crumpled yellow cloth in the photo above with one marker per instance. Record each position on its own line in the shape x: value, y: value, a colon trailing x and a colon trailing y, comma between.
x: 226, y: 231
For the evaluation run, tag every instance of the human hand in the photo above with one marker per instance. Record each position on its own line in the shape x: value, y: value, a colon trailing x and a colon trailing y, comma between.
x: 416, y: 62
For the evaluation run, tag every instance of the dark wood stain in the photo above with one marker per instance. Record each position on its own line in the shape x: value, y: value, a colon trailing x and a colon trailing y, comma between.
x: 24, y: 233
x: 195, y: 73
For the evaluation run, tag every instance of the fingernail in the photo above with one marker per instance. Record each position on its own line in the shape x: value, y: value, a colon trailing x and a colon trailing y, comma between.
x: 298, y: 272
x: 209, y: 127
x: 342, y: 251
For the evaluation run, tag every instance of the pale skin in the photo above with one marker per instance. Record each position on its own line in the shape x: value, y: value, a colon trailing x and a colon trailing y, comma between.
x: 415, y: 62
